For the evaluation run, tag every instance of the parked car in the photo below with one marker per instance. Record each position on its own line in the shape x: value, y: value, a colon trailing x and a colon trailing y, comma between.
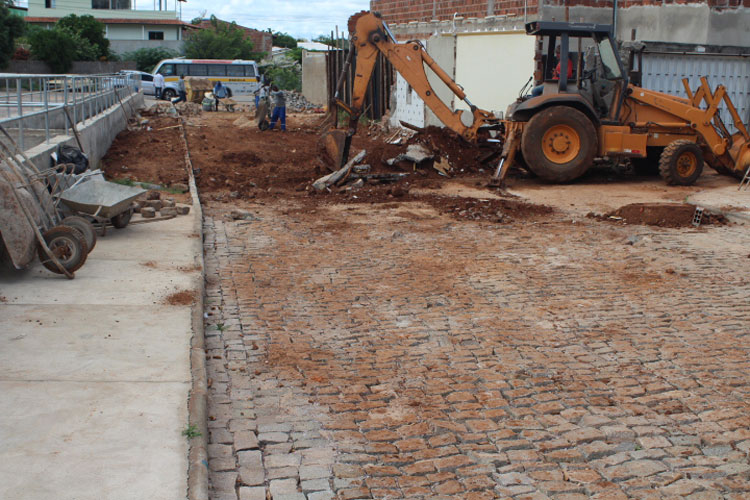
x: 146, y: 80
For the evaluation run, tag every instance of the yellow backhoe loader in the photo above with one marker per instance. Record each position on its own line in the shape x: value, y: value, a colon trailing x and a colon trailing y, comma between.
x: 572, y: 116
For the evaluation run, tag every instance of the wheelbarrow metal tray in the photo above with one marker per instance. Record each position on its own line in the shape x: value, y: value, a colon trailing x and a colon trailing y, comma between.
x: 98, y: 197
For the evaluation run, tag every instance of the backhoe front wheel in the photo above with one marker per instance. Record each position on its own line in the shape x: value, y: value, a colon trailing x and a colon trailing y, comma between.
x: 559, y: 144
x: 681, y: 163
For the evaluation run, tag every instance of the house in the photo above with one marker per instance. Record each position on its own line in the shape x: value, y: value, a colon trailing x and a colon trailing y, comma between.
x: 262, y: 40
x: 483, y: 46
x: 127, y: 28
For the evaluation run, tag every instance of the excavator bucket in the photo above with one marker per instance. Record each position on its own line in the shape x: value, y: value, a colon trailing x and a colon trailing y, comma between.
x: 334, y: 145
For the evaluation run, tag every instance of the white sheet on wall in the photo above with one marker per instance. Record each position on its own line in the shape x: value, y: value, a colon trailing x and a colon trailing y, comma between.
x: 492, y: 67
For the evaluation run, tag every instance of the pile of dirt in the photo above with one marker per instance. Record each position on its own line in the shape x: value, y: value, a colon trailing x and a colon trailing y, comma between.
x: 153, y: 154
x: 182, y: 298
x: 662, y: 215
x: 493, y: 210
x: 463, y: 156
x: 244, y: 163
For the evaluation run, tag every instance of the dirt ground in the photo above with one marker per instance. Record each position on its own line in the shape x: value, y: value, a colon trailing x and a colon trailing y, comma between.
x: 233, y: 163
x: 437, y: 338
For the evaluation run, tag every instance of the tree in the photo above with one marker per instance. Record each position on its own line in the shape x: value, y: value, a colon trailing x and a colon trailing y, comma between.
x: 89, y: 29
x: 284, y: 40
x: 146, y: 59
x: 11, y: 27
x: 286, y: 78
x: 295, y: 55
x: 221, y: 41
x: 326, y: 39
x: 56, y: 47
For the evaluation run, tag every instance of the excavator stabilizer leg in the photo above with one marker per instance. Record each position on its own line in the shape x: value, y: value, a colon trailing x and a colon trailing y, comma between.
x: 510, y: 148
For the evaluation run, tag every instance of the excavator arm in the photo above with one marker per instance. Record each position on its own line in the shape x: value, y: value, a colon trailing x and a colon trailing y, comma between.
x: 371, y: 36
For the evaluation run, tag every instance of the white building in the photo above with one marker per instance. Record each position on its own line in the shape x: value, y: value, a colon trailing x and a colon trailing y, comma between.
x: 129, y: 24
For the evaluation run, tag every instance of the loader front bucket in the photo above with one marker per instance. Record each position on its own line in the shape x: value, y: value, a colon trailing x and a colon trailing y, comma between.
x: 740, y: 153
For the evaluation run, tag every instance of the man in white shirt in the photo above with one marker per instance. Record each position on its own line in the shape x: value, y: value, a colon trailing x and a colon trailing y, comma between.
x: 159, y: 85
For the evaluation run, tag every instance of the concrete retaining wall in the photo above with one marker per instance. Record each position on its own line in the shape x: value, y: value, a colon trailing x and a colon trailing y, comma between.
x: 96, y: 134
x: 123, y: 46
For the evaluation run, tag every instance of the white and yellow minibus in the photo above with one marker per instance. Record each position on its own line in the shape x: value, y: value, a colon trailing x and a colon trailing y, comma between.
x: 239, y: 76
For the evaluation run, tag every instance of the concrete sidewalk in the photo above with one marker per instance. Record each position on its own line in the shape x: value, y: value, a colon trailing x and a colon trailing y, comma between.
x: 95, y: 372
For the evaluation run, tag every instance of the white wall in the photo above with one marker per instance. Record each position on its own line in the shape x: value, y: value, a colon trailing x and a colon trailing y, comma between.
x: 492, y: 67
x: 409, y: 106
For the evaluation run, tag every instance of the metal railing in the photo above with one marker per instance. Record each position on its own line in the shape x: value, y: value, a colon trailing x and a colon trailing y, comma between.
x: 36, y: 106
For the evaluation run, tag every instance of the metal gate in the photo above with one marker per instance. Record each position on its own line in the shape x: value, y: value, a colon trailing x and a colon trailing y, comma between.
x: 664, y: 72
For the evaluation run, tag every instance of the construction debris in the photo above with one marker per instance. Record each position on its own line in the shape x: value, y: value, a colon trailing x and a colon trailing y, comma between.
x: 340, y: 174
x: 415, y: 153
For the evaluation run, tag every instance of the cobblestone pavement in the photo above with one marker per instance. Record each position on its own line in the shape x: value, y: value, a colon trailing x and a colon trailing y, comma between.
x: 385, y: 351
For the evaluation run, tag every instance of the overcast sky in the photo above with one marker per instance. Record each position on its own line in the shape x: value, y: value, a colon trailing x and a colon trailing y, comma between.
x: 299, y: 18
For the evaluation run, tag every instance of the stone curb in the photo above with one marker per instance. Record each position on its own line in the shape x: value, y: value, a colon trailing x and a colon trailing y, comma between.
x: 198, y: 403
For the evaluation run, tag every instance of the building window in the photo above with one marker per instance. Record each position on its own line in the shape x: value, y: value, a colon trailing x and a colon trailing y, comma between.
x: 109, y: 4
x: 156, y: 35
x: 49, y: 4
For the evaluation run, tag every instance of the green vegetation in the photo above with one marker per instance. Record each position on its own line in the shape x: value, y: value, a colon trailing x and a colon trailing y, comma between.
x: 284, y: 40
x: 221, y: 41
x: 286, y: 78
x: 191, y: 431
x: 73, y: 38
x: 11, y: 28
x: 147, y: 59
x: 90, y: 30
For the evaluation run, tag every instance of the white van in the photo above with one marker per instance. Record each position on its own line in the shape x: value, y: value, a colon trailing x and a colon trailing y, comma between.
x: 239, y: 76
x: 146, y: 80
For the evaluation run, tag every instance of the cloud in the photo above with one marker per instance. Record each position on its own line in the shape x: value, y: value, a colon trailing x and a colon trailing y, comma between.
x: 299, y: 18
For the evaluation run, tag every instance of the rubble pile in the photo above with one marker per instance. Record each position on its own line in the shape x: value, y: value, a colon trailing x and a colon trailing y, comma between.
x: 296, y: 103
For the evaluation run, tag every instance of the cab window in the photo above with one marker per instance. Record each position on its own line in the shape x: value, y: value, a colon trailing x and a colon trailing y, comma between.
x: 609, y: 60
x: 166, y: 70
x: 249, y: 70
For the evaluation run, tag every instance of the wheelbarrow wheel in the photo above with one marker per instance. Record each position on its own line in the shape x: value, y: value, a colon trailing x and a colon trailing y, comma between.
x: 85, y: 227
x: 68, y: 245
x: 263, y: 125
x: 121, y: 220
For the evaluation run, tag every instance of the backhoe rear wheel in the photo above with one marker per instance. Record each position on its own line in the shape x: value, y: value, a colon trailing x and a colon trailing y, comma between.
x: 559, y: 144
x: 681, y: 163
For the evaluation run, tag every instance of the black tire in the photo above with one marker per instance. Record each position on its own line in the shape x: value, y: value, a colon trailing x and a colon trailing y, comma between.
x: 68, y: 245
x: 168, y: 94
x: 229, y: 92
x: 85, y: 227
x: 557, y: 129
x: 681, y: 163
x: 122, y: 219
x: 650, y: 164
x: 263, y: 125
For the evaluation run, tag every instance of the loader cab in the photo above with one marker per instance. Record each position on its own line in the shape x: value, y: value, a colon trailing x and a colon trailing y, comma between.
x: 595, y: 83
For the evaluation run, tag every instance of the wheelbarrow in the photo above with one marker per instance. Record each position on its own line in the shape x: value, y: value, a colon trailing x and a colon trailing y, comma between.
x: 92, y: 196
x: 29, y: 220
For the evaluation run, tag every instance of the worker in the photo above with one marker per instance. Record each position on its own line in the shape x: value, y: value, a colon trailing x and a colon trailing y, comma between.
x: 261, y: 93
x: 220, y: 92
x: 537, y: 91
x: 181, y: 90
x: 279, y: 112
x: 158, y: 85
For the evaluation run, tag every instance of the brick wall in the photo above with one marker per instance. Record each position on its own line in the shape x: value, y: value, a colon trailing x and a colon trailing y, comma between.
x: 404, y: 11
